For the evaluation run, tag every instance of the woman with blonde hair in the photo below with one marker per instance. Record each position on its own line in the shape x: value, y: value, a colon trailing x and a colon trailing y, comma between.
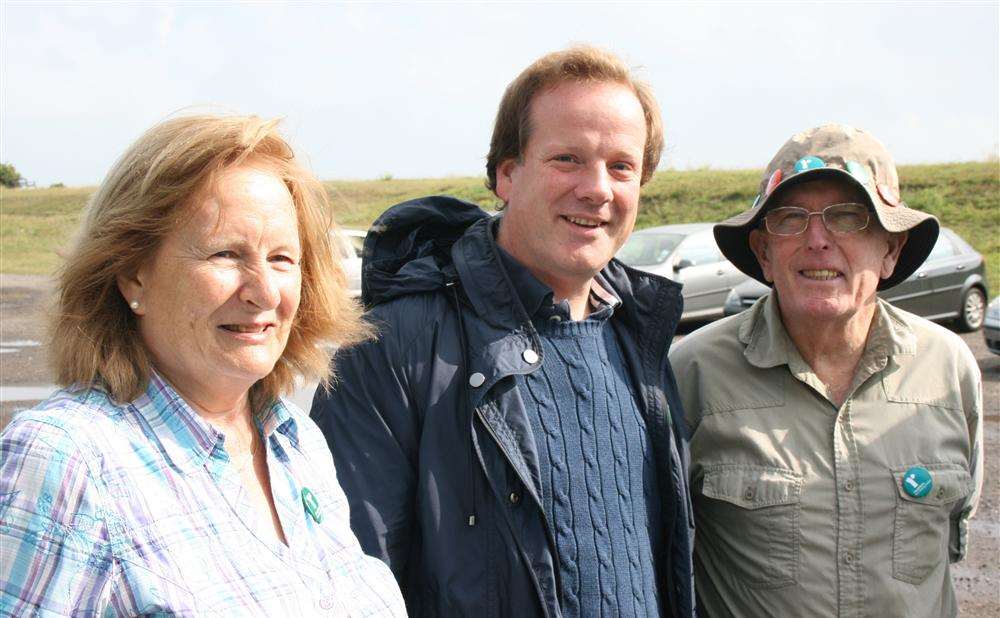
x: 169, y: 475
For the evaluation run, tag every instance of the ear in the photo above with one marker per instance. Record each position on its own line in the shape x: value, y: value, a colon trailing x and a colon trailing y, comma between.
x: 131, y: 289
x: 758, y: 244
x: 894, y: 246
x: 505, y: 182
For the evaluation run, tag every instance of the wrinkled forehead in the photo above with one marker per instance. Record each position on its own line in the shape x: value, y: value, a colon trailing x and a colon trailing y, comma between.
x: 817, y: 193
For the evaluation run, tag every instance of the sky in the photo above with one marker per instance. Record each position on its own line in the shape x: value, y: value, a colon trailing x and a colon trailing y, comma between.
x: 411, y: 90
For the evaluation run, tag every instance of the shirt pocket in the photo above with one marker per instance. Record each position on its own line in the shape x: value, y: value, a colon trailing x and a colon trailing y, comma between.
x: 750, y: 519
x: 921, y: 527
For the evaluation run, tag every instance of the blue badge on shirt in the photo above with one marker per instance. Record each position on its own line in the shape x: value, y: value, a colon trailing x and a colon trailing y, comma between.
x: 917, y: 482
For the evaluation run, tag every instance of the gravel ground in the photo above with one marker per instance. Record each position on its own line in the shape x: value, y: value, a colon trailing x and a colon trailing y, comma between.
x: 23, y: 306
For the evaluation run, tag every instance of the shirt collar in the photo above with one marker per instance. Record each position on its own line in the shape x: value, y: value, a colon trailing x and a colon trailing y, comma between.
x: 185, y: 437
x: 278, y: 418
x: 537, y: 298
x: 891, y: 335
x: 768, y: 344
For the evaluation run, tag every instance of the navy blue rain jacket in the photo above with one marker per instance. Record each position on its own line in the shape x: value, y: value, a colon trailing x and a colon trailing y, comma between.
x: 439, y: 464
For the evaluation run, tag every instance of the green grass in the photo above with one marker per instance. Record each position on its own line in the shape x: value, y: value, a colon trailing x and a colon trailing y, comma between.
x: 35, y: 225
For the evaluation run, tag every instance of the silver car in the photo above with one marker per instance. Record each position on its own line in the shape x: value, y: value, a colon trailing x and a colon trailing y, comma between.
x: 686, y: 253
x: 991, y: 326
x: 949, y: 285
x: 349, y: 244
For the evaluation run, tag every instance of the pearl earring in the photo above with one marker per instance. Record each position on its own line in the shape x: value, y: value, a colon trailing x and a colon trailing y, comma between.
x: 134, y: 304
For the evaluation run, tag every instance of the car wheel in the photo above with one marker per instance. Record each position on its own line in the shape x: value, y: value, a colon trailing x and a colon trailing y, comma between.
x: 973, y: 309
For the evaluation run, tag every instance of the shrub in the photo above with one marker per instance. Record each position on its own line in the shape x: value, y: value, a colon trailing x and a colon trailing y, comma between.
x: 9, y: 177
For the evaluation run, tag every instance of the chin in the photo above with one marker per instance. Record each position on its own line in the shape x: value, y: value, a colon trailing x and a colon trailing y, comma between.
x: 249, y: 369
x: 586, y: 262
x: 580, y: 270
x: 827, y: 308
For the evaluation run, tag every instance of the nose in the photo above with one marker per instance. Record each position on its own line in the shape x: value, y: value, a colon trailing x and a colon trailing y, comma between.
x: 594, y: 185
x: 816, y: 235
x: 260, y: 288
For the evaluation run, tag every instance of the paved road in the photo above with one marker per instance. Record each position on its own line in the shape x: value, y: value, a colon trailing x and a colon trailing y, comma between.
x: 25, y: 378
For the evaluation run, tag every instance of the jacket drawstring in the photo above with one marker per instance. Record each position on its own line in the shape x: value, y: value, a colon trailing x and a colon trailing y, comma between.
x: 465, y: 368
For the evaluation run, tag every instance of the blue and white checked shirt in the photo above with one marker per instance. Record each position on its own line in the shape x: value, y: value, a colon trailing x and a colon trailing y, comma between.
x: 111, y: 510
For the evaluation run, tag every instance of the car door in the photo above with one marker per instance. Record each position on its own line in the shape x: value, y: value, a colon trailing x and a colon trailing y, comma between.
x: 915, y: 294
x: 911, y: 294
x: 945, y: 271
x: 700, y: 266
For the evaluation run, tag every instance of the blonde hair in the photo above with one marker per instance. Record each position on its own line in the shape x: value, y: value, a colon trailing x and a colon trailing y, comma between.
x: 95, y: 336
x: 512, y: 127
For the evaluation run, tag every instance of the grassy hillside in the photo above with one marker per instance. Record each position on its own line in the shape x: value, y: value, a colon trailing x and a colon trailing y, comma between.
x: 36, y: 224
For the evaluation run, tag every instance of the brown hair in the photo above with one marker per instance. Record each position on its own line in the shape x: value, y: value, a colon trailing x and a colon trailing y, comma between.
x: 95, y: 336
x: 512, y: 127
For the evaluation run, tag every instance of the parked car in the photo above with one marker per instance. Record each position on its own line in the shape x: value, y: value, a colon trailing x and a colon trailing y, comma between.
x: 950, y: 285
x: 686, y: 253
x: 350, y: 243
x: 991, y: 326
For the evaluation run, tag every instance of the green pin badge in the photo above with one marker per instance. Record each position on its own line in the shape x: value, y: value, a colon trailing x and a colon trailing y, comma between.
x: 917, y: 482
x: 312, y: 505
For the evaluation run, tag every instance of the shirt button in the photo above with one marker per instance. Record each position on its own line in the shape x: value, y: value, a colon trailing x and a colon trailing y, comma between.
x: 748, y: 494
x: 530, y: 356
x: 476, y: 380
x: 849, y: 558
x: 515, y: 498
x: 849, y: 485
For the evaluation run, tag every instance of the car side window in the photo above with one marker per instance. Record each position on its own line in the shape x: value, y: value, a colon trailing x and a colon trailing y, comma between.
x: 648, y: 249
x: 700, y: 251
x: 943, y: 248
x: 961, y: 246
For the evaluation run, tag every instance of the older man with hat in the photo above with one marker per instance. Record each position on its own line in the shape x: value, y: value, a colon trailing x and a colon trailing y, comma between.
x: 836, y: 454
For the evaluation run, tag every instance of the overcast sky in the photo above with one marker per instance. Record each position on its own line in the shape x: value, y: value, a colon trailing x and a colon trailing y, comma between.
x: 373, y: 89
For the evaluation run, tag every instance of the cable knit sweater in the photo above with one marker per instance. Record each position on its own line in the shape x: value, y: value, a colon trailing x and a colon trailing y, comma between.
x: 596, y: 468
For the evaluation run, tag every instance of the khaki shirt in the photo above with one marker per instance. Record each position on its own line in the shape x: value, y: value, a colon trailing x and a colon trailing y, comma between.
x: 799, y: 504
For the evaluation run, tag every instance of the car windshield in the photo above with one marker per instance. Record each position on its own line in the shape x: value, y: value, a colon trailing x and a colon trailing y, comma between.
x: 648, y: 249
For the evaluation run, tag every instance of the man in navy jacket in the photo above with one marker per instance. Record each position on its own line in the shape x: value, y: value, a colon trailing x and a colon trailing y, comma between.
x: 511, y: 443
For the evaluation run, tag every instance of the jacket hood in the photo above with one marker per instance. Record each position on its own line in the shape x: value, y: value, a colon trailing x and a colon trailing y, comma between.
x: 408, y: 248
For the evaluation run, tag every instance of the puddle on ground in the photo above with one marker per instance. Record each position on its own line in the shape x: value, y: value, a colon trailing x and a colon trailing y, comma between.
x: 8, y: 347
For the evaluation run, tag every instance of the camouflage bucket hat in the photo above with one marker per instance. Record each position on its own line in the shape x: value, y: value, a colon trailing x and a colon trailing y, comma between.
x: 834, y: 151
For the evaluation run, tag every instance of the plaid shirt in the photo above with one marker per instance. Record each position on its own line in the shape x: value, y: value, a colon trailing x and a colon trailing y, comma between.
x: 109, y: 510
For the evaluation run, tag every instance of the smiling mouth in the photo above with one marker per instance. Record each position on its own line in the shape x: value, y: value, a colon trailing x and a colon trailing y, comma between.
x: 244, y: 329
x: 583, y: 222
x: 823, y: 274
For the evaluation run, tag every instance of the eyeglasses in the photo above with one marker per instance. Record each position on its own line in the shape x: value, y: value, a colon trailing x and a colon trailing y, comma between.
x: 838, y: 218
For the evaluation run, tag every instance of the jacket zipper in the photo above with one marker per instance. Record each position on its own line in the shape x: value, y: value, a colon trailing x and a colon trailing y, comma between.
x: 528, y: 488
x: 453, y: 284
